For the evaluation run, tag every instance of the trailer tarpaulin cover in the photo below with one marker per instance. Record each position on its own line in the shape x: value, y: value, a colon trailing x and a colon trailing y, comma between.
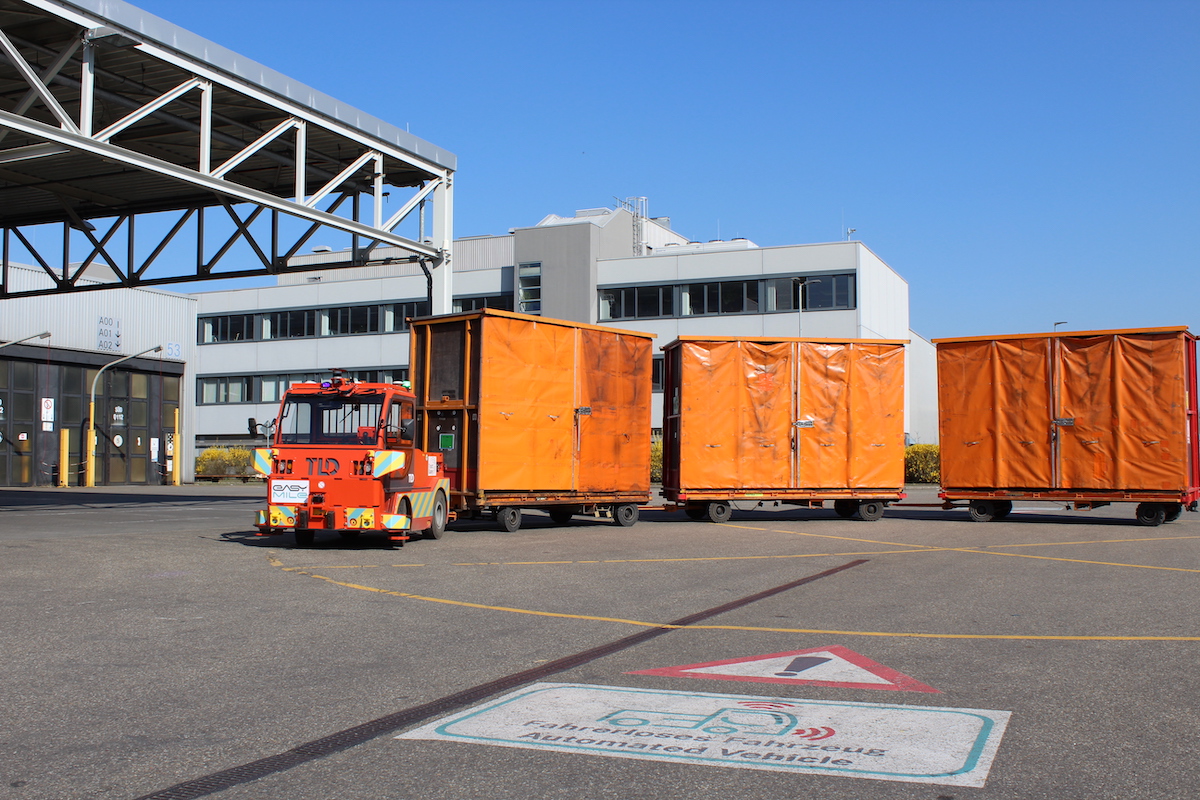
x: 614, y: 417
x: 1105, y: 411
x: 789, y: 414
x: 1127, y: 397
x: 551, y: 407
x: 526, y: 405
x: 994, y: 401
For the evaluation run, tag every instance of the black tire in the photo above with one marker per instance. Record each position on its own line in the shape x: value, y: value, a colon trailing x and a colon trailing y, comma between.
x: 982, y: 510
x: 1174, y: 510
x: 1003, y: 509
x: 719, y: 511
x: 561, y: 515
x: 870, y: 510
x: 696, y: 512
x: 625, y: 515
x: 440, y: 514
x: 845, y: 508
x: 304, y: 537
x: 509, y: 518
x: 1151, y: 514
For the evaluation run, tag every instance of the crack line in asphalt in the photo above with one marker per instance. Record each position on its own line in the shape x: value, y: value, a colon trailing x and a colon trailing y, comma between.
x: 351, y: 737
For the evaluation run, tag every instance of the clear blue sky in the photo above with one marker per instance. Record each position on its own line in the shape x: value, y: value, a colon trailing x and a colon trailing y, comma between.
x: 1019, y: 163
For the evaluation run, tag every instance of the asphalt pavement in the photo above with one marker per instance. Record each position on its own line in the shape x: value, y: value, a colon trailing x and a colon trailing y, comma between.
x: 154, y: 647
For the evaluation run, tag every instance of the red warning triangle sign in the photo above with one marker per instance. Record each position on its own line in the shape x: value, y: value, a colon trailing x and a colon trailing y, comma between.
x: 834, y: 666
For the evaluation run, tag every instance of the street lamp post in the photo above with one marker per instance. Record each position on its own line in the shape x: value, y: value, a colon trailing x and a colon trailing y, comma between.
x: 801, y: 283
x: 1064, y: 322
x: 42, y: 335
x: 91, y: 431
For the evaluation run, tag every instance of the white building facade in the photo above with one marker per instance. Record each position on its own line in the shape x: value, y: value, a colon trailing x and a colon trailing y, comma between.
x: 606, y: 266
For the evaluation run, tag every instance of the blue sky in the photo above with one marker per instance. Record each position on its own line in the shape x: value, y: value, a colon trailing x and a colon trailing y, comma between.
x: 1019, y: 163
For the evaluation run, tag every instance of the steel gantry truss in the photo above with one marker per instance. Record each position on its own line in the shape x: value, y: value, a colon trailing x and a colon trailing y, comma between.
x: 109, y: 114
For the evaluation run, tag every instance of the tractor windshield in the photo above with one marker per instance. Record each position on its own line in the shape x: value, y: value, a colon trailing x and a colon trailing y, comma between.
x: 330, y: 420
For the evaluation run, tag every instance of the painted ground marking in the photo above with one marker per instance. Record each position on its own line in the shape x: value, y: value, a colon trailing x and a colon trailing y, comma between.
x: 307, y: 572
x: 833, y: 666
x: 912, y: 744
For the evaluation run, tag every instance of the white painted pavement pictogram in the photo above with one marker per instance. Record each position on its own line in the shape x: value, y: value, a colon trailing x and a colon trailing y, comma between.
x: 833, y: 666
x: 912, y: 744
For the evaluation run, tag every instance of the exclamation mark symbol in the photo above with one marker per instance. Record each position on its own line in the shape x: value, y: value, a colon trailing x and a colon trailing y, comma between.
x: 800, y: 664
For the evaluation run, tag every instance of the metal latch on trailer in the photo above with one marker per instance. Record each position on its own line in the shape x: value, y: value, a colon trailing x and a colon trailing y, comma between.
x: 1065, y: 422
x: 584, y: 411
x: 805, y: 423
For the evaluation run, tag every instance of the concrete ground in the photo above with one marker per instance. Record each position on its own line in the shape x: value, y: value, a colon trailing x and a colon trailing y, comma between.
x: 153, y: 647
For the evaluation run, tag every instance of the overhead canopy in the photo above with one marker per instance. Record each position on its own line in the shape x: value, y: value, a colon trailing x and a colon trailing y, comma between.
x: 107, y: 112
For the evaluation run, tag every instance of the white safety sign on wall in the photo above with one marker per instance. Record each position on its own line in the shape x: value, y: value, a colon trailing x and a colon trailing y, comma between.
x: 914, y: 744
x: 47, y: 413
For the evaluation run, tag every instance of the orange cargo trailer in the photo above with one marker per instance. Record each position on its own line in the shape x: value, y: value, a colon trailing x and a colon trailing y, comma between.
x: 534, y: 412
x: 1082, y: 418
x: 783, y: 421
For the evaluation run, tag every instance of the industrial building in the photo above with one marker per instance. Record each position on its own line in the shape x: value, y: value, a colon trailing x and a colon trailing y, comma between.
x: 609, y: 266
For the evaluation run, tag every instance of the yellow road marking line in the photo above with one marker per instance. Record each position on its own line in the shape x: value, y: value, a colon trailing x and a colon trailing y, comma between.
x: 1099, y: 541
x: 1073, y: 560
x: 751, y: 628
x: 900, y: 634
x: 822, y: 536
x: 640, y: 560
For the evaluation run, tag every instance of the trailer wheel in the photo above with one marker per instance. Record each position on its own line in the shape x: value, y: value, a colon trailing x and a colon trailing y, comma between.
x: 561, y: 515
x: 845, y: 508
x: 1003, y: 509
x: 870, y: 510
x: 625, y: 514
x: 438, y: 526
x: 1151, y: 514
x: 982, y: 510
x: 304, y: 537
x: 720, y: 511
x: 696, y: 512
x: 509, y: 518
x: 1174, y: 510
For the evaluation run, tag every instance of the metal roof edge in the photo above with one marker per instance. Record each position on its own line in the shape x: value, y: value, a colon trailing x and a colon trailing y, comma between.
x: 146, y: 26
x: 780, y: 339
x: 1062, y: 334
x: 495, y: 312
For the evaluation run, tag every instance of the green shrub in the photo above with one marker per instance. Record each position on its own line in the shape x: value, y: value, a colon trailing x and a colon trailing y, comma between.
x: 224, y: 461
x: 656, y: 461
x: 922, y: 463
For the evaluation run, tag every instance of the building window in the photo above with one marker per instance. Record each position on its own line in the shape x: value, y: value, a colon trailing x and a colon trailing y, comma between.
x: 396, y: 316
x: 503, y: 302
x: 290, y: 324
x: 782, y: 294
x: 727, y: 297
x: 641, y: 302
x: 529, y: 288
x: 227, y: 328
x: 226, y: 389
x: 829, y: 292
x: 238, y: 389
x: 353, y: 319
x: 821, y: 292
x: 656, y: 374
